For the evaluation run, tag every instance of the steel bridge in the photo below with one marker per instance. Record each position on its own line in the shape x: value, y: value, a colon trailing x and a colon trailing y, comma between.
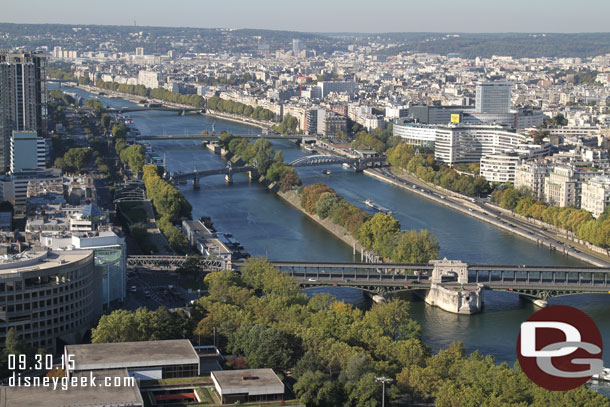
x: 540, y: 282
x: 170, y: 262
x: 215, y: 137
x: 228, y: 171
x: 537, y: 282
x: 355, y: 162
x: 180, y: 110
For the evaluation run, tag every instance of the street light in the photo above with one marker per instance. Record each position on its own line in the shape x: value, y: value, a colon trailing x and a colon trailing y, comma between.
x: 383, y: 381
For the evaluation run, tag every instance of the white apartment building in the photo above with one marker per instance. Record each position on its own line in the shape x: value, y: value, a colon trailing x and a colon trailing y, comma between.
x: 596, y: 195
x: 149, y: 79
x: 499, y: 167
x: 531, y: 175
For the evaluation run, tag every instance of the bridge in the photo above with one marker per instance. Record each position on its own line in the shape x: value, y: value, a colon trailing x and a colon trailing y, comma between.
x: 60, y: 81
x: 180, y: 110
x: 171, y: 262
x: 536, y: 282
x: 216, y: 137
x: 228, y: 171
x: 358, y: 163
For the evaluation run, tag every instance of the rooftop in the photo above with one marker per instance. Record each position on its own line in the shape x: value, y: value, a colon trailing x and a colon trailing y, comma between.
x: 132, y: 354
x: 251, y: 381
x: 39, y: 260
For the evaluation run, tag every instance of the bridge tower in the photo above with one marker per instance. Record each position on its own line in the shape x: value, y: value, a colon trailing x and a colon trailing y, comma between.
x: 448, y: 267
x: 195, y: 179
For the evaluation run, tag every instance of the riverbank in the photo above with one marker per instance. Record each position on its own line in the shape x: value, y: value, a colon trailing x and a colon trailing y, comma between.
x: 476, y: 211
x: 292, y: 197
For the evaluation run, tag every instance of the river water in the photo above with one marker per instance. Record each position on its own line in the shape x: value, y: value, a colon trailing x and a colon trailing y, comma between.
x: 269, y: 227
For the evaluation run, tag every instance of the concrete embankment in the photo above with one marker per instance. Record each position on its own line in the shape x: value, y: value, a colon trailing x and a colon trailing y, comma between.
x: 475, y: 212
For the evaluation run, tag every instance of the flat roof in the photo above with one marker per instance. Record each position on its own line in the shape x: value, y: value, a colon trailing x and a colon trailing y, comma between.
x: 132, y: 354
x: 251, y: 381
x: 98, y: 396
x: 34, y: 260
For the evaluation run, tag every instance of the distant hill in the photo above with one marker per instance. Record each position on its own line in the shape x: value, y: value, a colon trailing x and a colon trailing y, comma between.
x: 162, y: 39
x: 516, y: 45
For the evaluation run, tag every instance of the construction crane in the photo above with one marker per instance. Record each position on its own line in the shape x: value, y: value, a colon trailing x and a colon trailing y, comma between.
x: 300, y: 81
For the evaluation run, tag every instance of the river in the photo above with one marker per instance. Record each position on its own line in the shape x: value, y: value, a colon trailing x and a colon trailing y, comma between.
x: 269, y: 227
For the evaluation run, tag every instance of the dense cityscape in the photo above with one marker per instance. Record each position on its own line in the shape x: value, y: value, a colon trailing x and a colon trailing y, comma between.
x: 202, y: 217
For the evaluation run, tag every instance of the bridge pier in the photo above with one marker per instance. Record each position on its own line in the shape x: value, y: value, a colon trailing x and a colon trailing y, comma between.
x: 229, y: 178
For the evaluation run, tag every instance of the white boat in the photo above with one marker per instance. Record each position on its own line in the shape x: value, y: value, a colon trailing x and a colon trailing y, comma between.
x: 602, y: 377
x: 377, y: 207
x: 346, y: 165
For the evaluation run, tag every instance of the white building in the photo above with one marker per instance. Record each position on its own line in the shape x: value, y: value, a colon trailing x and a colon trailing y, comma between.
x: 415, y: 134
x: 149, y: 79
x: 499, y: 167
x: 596, y: 195
x: 531, y: 175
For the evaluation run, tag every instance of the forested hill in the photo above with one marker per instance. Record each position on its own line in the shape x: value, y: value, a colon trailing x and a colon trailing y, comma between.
x: 517, y: 45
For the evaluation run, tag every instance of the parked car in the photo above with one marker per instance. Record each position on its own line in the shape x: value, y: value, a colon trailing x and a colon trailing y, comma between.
x: 147, y: 294
x: 134, y: 289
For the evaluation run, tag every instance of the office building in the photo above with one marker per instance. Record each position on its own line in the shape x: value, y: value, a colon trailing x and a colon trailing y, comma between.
x: 326, y: 87
x: 297, y: 47
x: 415, y: 134
x: 28, y: 151
x: 49, y: 296
x: 493, y: 97
x: 149, y: 79
x: 23, y: 98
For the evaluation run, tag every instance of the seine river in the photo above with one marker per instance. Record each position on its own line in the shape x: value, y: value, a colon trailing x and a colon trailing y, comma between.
x: 269, y: 227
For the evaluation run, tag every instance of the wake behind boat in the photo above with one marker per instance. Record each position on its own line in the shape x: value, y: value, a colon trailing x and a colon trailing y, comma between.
x: 377, y: 207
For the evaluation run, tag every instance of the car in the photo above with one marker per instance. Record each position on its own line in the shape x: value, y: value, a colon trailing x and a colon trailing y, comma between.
x: 313, y: 280
x: 473, y: 200
x: 147, y: 294
x: 414, y: 186
x: 347, y: 280
x: 421, y: 189
x: 134, y: 289
x: 470, y: 209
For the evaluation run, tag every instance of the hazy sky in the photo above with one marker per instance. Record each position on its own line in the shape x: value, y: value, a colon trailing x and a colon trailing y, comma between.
x: 324, y: 15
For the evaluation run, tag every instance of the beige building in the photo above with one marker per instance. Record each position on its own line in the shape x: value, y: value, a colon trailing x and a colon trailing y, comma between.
x: 560, y: 187
x: 596, y: 195
x: 530, y: 175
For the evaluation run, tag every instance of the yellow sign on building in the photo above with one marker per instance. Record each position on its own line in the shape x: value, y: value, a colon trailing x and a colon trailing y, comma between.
x: 455, y: 117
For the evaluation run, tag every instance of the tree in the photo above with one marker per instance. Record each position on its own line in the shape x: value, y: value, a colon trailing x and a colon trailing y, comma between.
x: 315, y: 389
x: 105, y: 120
x: 119, y: 130
x: 77, y: 158
x: 325, y: 204
x: 392, y: 319
x: 262, y: 346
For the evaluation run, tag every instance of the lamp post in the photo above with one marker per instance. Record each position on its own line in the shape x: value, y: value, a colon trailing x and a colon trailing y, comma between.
x: 383, y: 381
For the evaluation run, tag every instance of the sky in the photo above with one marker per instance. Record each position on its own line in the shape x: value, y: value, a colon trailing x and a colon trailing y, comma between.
x: 324, y: 15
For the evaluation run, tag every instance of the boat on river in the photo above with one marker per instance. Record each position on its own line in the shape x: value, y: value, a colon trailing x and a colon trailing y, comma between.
x: 377, y: 207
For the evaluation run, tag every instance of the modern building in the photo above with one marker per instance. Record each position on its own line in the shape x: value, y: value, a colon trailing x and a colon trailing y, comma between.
x: 49, y: 297
x: 438, y: 114
x: 326, y: 87
x: 493, y: 97
x: 28, y: 151
x: 460, y: 143
x: 297, y: 47
x: 23, y: 98
x: 247, y: 386
x: 499, y: 167
x: 146, y: 360
x: 596, y: 195
x: 415, y: 134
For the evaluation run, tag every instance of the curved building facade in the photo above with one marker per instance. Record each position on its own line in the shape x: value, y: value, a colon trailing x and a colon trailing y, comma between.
x: 49, y: 296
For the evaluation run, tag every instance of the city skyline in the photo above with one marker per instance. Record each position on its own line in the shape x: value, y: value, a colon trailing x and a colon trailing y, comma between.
x: 472, y: 16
